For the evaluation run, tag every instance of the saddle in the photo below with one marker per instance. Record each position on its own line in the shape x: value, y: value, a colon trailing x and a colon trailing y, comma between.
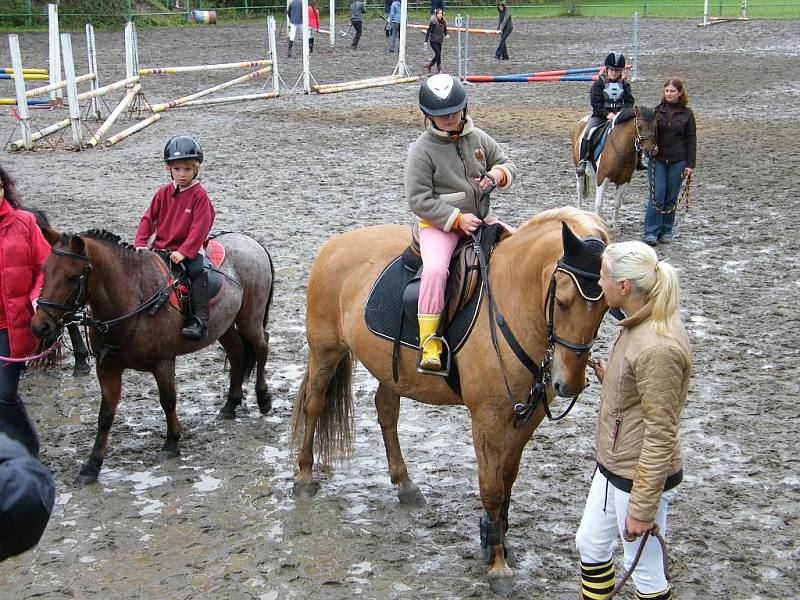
x: 178, y: 278
x: 599, y: 135
x: 391, y: 310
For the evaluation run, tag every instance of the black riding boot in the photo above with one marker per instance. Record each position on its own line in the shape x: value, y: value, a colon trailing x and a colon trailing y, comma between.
x: 289, y: 53
x: 580, y: 169
x: 310, y: 45
x: 198, y: 291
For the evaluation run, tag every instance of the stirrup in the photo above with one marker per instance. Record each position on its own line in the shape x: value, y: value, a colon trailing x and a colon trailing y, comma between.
x: 444, y: 369
x: 580, y: 168
x: 195, y: 330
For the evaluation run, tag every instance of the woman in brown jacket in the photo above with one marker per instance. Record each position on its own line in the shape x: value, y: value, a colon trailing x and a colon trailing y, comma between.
x: 638, y: 451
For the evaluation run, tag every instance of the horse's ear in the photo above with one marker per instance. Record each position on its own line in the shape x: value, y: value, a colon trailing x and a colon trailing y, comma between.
x: 77, y: 243
x: 572, y: 245
x: 51, y: 235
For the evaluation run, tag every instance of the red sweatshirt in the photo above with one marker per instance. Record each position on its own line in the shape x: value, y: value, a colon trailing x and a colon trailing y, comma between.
x: 181, y: 219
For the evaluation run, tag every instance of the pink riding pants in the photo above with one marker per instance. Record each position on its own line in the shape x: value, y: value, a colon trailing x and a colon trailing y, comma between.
x: 437, y: 247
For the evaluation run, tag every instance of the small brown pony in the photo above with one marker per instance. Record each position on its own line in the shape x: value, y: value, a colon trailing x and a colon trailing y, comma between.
x: 531, y: 289
x: 120, y: 286
x: 617, y: 161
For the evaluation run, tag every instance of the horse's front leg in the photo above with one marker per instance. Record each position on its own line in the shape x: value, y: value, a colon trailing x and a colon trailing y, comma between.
x: 164, y: 372
x: 598, y: 196
x: 498, y: 448
x: 79, y: 350
x: 387, y: 404
x: 110, y: 379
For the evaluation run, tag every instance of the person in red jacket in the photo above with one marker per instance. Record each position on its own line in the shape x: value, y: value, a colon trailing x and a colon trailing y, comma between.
x: 179, y: 220
x: 23, y: 251
x: 313, y: 24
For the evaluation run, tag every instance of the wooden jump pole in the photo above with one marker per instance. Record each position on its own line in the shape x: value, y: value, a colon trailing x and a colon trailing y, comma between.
x: 25, y: 71
x: 157, y: 108
x: 40, y: 91
x: 124, y: 103
x: 229, y: 99
x: 456, y: 28
x: 26, y: 76
x: 42, y: 133
x: 332, y: 88
x: 200, y: 68
x: 133, y: 129
x: 19, y: 86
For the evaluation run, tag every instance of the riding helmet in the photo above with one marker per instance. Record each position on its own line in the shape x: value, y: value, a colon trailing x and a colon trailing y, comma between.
x: 183, y: 147
x: 441, y: 95
x: 615, y: 60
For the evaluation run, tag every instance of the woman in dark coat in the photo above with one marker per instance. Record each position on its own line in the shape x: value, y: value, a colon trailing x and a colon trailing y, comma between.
x: 504, y: 27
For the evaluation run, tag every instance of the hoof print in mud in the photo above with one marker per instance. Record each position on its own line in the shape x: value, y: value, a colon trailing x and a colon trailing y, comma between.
x: 305, y: 490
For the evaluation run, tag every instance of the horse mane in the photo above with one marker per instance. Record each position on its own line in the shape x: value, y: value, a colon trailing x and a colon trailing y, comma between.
x: 582, y: 222
x: 103, y: 235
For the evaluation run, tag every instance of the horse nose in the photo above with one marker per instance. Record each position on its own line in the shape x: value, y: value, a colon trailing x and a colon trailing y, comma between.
x: 565, y: 390
x: 42, y: 330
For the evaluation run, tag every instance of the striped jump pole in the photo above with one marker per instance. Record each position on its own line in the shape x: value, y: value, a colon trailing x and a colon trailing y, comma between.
x: 200, y: 68
x: 229, y: 99
x: 124, y: 103
x: 465, y: 29
x: 13, y: 102
x: 25, y: 71
x: 132, y: 129
x: 46, y: 89
x: 26, y: 76
x: 157, y: 108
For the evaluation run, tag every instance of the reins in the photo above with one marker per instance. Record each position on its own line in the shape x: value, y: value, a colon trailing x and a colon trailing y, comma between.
x: 654, y: 532
x: 541, y: 372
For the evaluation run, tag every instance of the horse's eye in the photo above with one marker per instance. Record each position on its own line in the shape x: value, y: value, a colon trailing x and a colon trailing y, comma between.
x: 561, y: 303
x: 72, y: 279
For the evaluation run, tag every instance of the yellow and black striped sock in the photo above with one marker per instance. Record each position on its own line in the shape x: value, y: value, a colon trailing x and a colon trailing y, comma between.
x: 597, y: 580
x: 662, y: 595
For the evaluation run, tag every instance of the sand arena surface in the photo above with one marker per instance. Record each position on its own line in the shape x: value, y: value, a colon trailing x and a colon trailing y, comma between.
x: 220, y: 521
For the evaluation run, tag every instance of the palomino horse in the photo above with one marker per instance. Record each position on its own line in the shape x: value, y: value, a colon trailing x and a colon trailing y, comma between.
x: 122, y: 288
x: 617, y: 161
x: 551, y: 319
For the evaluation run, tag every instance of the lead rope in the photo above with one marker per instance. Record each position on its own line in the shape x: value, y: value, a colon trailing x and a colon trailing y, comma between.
x: 629, y: 572
x: 683, y: 197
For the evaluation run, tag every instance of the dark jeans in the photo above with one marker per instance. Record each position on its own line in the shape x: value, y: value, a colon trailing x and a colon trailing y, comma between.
x: 502, y: 51
x: 14, y: 420
x: 667, y: 187
x: 437, y: 54
x: 194, y: 266
x: 357, y: 25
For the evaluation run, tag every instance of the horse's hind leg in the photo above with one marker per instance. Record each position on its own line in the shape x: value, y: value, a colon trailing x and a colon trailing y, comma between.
x: 387, y: 404
x: 110, y: 379
x: 164, y: 372
x: 326, y: 385
x: 257, y: 337
x: 234, y: 349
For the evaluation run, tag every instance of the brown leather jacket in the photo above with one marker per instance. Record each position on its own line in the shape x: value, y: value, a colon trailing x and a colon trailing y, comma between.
x: 644, y: 391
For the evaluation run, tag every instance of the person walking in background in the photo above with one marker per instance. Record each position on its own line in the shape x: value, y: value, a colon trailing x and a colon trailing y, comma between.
x: 23, y: 251
x: 357, y: 12
x: 294, y: 13
x: 448, y: 169
x: 637, y: 443
x: 394, y: 23
x: 673, y: 161
x: 437, y: 31
x: 387, y: 8
x: 609, y: 94
x: 504, y: 28
x: 313, y: 24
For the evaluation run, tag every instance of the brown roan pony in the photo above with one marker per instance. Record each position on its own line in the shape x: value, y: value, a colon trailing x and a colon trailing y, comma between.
x: 118, y: 285
x: 524, y: 268
x: 617, y: 161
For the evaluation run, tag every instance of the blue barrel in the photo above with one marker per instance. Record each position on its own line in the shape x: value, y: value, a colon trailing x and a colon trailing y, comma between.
x: 207, y: 17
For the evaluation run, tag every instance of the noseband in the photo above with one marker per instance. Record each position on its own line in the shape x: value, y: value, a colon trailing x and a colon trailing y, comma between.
x: 76, y: 298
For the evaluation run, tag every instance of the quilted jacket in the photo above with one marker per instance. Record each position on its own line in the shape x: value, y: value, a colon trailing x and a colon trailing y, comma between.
x: 644, y: 392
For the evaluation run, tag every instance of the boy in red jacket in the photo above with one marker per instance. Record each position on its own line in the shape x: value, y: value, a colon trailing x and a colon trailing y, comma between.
x: 179, y: 219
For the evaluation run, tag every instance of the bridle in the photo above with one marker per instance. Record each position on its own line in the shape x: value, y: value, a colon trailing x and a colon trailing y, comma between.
x: 639, y: 138
x: 75, y: 300
x: 542, y: 372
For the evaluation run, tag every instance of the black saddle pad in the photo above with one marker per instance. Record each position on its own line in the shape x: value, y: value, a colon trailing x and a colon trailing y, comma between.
x: 384, y: 310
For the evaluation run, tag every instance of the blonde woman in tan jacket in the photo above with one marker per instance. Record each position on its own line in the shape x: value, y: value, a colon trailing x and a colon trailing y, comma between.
x: 638, y: 450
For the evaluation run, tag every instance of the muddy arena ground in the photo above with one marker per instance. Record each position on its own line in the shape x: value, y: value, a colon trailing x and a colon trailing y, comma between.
x: 221, y: 522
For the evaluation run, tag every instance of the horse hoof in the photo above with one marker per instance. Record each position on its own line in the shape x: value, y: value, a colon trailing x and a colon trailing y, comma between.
x: 84, y: 479
x: 502, y: 586
x: 511, y: 556
x: 305, y: 490
x: 81, y: 369
x: 265, y: 403
x: 226, y: 413
x: 170, y: 451
x: 411, y: 496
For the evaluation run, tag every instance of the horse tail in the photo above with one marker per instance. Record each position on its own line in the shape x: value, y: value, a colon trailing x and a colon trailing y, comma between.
x: 271, y: 286
x: 334, y: 431
x: 585, y: 185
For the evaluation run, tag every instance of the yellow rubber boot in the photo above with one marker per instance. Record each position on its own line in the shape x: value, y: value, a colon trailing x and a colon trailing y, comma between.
x: 431, y: 348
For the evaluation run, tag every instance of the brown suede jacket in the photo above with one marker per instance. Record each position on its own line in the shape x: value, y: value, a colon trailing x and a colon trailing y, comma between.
x: 644, y: 391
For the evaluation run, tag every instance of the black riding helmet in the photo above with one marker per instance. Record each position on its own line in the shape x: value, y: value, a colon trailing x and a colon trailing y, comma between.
x: 615, y: 60
x: 442, y: 95
x: 183, y: 147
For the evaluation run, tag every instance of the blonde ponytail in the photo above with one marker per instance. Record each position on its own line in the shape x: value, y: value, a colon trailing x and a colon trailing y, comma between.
x: 655, y: 279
